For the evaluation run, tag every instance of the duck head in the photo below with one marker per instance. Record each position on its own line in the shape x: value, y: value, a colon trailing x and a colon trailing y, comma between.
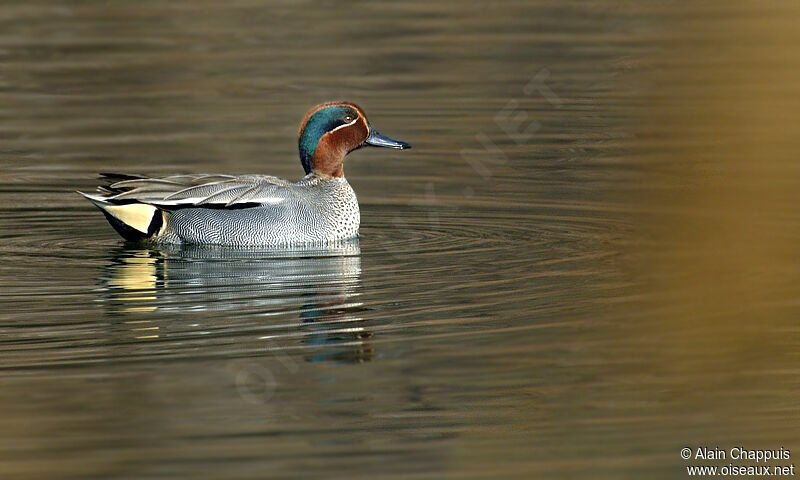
x: 330, y: 131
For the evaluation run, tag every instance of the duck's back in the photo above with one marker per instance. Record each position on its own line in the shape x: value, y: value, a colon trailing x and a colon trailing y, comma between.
x: 311, y: 211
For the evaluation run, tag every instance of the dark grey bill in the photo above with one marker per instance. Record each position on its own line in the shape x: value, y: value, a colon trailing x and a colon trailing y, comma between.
x: 377, y: 140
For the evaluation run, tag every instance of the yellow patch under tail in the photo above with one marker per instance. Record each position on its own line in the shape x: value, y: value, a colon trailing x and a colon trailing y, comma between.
x: 134, y: 221
x: 134, y: 215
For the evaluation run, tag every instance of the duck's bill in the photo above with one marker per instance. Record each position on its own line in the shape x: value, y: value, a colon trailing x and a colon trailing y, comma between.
x: 377, y: 140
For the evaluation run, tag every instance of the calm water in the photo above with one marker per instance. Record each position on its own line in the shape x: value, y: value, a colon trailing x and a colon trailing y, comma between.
x: 587, y: 262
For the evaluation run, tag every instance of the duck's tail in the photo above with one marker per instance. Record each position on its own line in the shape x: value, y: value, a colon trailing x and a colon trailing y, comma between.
x: 134, y: 221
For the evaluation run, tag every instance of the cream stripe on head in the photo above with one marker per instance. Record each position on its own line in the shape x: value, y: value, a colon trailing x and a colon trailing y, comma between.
x: 345, y: 125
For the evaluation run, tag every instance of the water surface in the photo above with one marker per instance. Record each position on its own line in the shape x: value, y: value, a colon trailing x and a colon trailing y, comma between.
x: 586, y: 262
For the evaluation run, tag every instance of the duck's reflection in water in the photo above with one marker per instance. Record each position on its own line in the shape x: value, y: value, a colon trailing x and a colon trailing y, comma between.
x: 249, y: 290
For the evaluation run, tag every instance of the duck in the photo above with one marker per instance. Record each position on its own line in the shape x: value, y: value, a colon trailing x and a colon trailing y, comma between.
x: 251, y: 210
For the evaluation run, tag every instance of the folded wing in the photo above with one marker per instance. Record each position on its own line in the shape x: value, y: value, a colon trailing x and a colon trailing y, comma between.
x: 199, y: 190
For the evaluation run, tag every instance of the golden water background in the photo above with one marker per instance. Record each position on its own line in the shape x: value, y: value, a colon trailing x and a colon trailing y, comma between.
x: 586, y: 263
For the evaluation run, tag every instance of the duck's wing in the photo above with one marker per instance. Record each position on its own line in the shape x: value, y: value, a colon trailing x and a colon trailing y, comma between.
x: 198, y: 190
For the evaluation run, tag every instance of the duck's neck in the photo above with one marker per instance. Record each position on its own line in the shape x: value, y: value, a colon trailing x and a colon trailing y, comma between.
x: 325, y: 162
x: 327, y: 166
x: 324, y: 153
x: 328, y: 159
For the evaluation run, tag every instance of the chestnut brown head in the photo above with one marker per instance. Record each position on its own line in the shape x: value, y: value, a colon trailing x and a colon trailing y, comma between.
x: 332, y: 130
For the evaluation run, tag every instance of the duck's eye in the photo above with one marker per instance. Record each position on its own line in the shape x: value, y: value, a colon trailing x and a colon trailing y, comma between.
x: 349, y: 118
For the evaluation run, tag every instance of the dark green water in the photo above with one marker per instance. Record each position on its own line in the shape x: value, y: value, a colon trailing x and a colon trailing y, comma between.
x: 586, y: 262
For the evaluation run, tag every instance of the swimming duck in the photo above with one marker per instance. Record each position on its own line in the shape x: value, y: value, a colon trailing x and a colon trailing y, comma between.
x: 251, y: 210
